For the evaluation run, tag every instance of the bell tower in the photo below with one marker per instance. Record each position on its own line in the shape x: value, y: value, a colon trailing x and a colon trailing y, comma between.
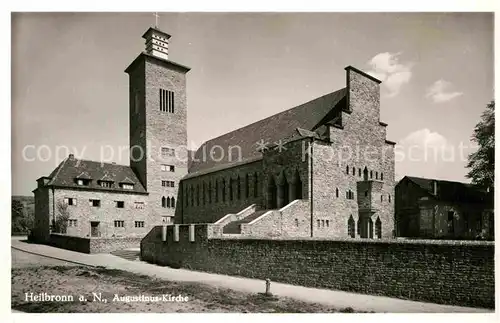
x: 157, y: 120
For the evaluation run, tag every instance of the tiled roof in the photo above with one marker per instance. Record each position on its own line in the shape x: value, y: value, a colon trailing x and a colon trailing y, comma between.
x: 66, y: 173
x: 453, y: 191
x: 269, y: 130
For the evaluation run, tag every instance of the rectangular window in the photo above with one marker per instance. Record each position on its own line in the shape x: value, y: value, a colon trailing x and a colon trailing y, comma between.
x: 319, y: 223
x: 119, y: 224
x: 95, y: 203
x: 120, y: 204
x: 72, y: 223
x: 139, y: 224
x: 168, y: 183
x: 167, y: 168
x: 70, y: 201
x: 167, y: 152
x: 167, y: 101
x: 327, y: 223
x: 127, y: 186
x: 106, y: 184
x: 139, y: 205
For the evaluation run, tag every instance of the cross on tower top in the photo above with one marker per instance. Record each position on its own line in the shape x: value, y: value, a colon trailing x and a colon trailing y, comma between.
x: 156, y: 19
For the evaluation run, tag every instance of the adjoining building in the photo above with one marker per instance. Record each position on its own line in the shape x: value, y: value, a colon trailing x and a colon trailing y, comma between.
x: 431, y: 208
x: 321, y: 169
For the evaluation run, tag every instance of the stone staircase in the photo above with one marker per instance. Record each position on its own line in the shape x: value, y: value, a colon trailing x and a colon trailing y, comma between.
x: 235, y: 226
x: 129, y: 254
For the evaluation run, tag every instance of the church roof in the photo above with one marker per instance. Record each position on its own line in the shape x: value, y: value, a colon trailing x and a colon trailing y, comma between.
x: 70, y: 169
x: 277, y: 127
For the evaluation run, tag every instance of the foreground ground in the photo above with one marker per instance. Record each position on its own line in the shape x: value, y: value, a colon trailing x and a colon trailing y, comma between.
x: 36, y: 274
x: 326, y: 297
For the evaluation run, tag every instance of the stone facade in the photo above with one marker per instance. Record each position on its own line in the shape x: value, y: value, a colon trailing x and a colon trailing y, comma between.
x: 422, y: 211
x: 82, y: 214
x: 152, y: 129
x: 342, y: 172
x: 423, y: 270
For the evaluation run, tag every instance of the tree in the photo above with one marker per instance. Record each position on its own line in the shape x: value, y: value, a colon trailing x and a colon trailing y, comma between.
x: 482, y: 162
x: 60, y: 223
x: 17, y: 216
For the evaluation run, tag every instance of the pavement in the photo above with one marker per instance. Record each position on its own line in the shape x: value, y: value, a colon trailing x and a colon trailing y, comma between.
x: 339, y: 299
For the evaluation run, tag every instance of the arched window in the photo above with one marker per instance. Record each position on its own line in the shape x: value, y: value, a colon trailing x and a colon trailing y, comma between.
x: 381, y: 176
x: 365, y: 174
x: 347, y: 169
x: 168, y: 201
x: 203, y: 194
x: 337, y: 192
x: 210, y: 192
x: 354, y: 171
x: 238, y: 188
x: 163, y: 202
x: 359, y: 172
x: 223, y: 190
x: 231, y: 184
x: 371, y: 174
x: 382, y: 198
x: 351, y: 227
x: 376, y: 175
x: 255, y: 185
x: 247, y: 187
x: 198, y: 195
x: 216, y: 191
x: 298, y: 185
x: 172, y: 202
x: 378, y: 228
x: 389, y: 198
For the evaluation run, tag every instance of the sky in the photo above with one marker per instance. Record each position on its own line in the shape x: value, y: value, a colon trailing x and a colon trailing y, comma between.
x: 69, y: 88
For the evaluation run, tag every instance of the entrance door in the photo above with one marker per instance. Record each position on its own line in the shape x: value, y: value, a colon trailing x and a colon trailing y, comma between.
x: 94, y: 229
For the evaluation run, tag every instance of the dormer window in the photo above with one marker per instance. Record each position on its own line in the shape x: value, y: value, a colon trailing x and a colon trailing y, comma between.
x: 83, y: 179
x: 127, y: 186
x: 106, y: 184
x: 82, y: 182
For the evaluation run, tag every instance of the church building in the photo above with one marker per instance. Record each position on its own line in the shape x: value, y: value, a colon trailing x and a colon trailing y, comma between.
x: 321, y: 169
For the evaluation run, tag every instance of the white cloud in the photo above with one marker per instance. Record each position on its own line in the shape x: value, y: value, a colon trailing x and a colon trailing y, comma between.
x: 387, y: 68
x: 437, y: 92
x: 430, y: 154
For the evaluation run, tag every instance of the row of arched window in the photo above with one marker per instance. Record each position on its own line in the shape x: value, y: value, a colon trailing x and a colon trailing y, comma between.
x: 221, y: 190
x: 351, y: 228
x: 167, y: 202
x: 365, y: 173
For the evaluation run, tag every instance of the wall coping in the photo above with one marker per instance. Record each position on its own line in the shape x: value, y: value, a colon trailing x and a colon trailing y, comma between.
x: 94, y: 238
x: 471, y: 243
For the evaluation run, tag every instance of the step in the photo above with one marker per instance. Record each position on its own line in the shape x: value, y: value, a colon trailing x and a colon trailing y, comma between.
x: 235, y: 226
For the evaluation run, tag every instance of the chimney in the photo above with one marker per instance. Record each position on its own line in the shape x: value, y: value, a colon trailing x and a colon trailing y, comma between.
x: 71, y: 157
x: 156, y: 42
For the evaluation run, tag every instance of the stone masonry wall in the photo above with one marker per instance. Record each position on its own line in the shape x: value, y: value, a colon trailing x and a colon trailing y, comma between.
x: 361, y: 143
x: 106, y: 214
x: 199, y: 204
x: 458, y: 272
x: 93, y: 245
x: 152, y: 129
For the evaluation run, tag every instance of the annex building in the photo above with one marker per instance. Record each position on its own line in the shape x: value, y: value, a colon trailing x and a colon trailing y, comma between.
x: 321, y: 169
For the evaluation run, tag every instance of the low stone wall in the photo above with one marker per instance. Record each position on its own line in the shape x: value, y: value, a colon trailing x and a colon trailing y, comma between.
x: 69, y: 242
x: 93, y: 245
x: 446, y: 272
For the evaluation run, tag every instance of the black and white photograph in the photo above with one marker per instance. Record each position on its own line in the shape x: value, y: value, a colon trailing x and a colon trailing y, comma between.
x: 252, y: 162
